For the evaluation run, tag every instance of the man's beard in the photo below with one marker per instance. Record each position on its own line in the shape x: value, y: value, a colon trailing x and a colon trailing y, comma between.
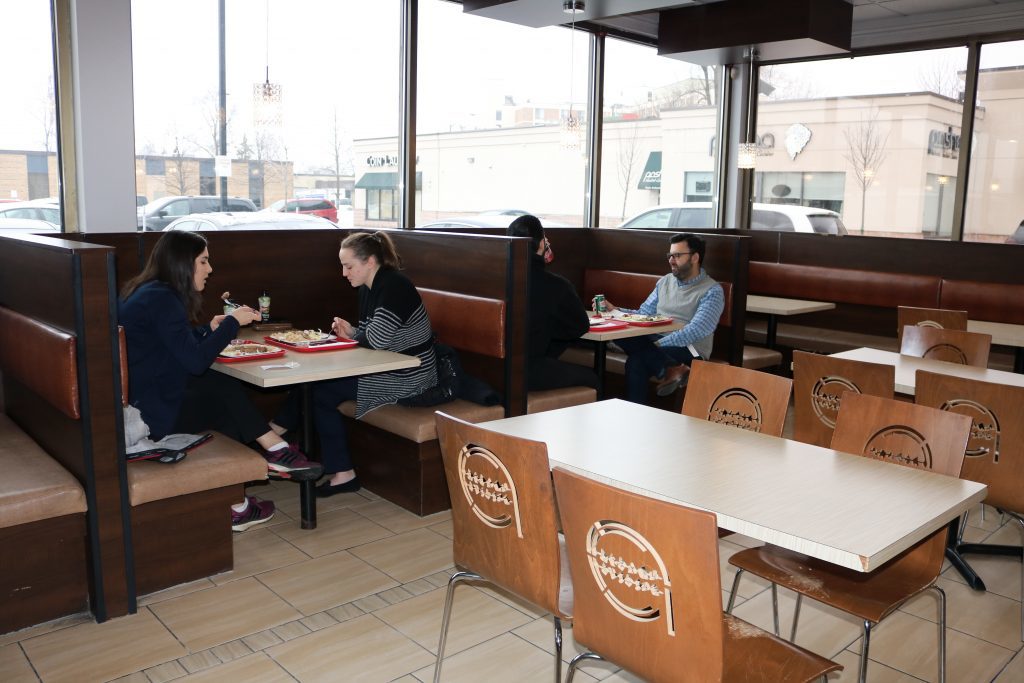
x: 681, y: 274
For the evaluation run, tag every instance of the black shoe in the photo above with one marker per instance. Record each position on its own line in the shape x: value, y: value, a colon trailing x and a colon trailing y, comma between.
x: 675, y: 377
x: 328, y: 489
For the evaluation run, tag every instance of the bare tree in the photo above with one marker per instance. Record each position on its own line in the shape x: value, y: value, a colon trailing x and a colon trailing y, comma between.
x: 629, y: 152
x: 48, y: 116
x: 942, y: 77
x: 342, y: 154
x: 696, y: 91
x: 208, y: 141
x: 181, y: 176
x: 866, y: 153
x: 779, y: 83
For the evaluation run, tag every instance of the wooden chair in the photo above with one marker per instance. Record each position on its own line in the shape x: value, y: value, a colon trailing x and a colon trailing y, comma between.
x: 648, y: 593
x: 952, y: 346
x: 995, y: 453
x: 939, y: 318
x: 504, y: 521
x: 904, y: 434
x: 748, y: 399
x: 819, y: 383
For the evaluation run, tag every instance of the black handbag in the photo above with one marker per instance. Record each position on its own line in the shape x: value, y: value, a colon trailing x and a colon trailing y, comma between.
x: 449, y: 373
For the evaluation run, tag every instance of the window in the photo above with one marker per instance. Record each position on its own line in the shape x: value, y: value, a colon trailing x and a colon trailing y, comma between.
x: 38, y: 166
x: 995, y: 204
x: 324, y: 102
x: 155, y: 166
x: 498, y: 143
x: 658, y: 125
x: 179, y: 207
x: 836, y: 136
x: 771, y: 220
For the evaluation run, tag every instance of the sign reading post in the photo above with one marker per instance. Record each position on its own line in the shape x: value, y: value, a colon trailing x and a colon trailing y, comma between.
x: 222, y: 166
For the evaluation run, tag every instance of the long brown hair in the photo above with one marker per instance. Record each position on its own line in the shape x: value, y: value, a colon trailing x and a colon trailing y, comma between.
x: 173, y: 261
x: 379, y: 244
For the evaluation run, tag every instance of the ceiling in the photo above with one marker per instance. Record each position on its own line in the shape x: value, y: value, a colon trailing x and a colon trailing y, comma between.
x: 876, y: 23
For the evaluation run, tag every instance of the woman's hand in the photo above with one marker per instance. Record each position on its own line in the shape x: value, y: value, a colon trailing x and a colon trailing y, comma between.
x: 243, y: 314
x: 342, y: 328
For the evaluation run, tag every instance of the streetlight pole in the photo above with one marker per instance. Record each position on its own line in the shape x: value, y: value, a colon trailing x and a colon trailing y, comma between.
x: 868, y: 175
x: 222, y: 107
x: 938, y: 214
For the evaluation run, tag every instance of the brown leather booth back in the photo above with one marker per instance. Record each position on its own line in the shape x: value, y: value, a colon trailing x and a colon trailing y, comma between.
x: 985, y: 300
x: 631, y: 289
x: 845, y: 285
x: 42, y: 358
x: 469, y: 323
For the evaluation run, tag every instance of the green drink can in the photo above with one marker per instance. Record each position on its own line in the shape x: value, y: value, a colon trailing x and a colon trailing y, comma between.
x: 599, y: 306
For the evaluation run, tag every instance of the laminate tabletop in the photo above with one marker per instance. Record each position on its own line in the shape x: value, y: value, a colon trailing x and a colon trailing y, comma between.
x: 846, y: 509
x: 630, y: 331
x: 907, y: 367
x: 1006, y: 334
x: 776, y: 305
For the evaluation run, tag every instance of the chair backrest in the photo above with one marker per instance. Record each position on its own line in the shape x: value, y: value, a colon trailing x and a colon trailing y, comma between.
x: 940, y: 318
x: 503, y: 510
x: 819, y: 383
x: 995, y: 452
x: 912, y: 436
x: 952, y: 346
x: 645, y: 580
x: 727, y: 394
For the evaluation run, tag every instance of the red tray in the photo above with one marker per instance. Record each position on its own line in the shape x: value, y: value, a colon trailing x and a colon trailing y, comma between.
x: 337, y: 345
x: 608, y: 326
x: 256, y: 356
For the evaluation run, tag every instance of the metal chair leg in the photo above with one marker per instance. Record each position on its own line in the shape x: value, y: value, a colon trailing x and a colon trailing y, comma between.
x: 576, y: 660
x: 862, y: 675
x: 942, y: 633
x: 558, y: 650
x: 796, y: 617
x: 447, y: 615
x: 735, y: 587
x: 775, y: 608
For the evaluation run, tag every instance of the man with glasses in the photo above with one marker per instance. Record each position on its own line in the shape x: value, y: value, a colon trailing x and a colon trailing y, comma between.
x: 556, y: 317
x: 688, y: 296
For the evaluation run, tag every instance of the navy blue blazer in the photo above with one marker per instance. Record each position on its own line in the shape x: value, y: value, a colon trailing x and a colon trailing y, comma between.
x: 163, y: 350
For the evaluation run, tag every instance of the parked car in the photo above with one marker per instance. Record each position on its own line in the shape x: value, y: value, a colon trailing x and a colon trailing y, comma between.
x: 310, y: 205
x: 250, y: 221
x: 25, y: 226
x: 1018, y: 235
x: 483, y: 221
x: 37, y: 210
x: 159, y: 213
x: 781, y: 217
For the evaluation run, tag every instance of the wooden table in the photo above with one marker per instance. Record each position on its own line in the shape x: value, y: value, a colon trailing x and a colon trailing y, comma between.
x: 603, y: 337
x: 312, y: 367
x: 846, y: 509
x: 1005, y: 334
x: 774, y: 306
x: 907, y: 367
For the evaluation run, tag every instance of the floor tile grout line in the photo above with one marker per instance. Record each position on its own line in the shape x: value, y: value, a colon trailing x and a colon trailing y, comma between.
x: 24, y: 653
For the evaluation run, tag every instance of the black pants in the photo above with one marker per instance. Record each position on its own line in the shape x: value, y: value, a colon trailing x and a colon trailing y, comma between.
x: 550, y: 373
x: 214, y: 400
x: 327, y: 420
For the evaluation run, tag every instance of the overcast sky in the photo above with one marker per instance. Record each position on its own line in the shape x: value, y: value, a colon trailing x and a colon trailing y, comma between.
x: 342, y: 55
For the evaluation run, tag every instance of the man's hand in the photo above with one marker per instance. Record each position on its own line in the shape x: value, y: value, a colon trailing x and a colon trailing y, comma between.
x: 608, y: 306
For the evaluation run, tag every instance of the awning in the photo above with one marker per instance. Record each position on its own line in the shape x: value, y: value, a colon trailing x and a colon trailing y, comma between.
x: 386, y: 181
x: 650, y: 179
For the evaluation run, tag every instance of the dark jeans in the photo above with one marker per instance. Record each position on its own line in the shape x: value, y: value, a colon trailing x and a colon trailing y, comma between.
x: 328, y: 422
x: 551, y: 373
x: 645, y: 359
x: 214, y: 400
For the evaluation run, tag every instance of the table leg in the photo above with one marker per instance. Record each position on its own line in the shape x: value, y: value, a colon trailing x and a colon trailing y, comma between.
x: 307, y: 490
x: 599, y: 366
x: 1018, y: 360
x: 958, y: 562
x: 773, y: 323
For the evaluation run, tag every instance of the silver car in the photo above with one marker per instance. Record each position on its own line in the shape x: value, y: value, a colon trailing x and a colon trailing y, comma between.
x: 250, y: 221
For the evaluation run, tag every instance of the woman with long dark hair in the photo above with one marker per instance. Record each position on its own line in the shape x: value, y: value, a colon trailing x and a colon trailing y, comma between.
x: 392, y: 318
x: 169, y: 357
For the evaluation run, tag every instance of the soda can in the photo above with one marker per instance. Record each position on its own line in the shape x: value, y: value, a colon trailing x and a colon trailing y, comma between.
x: 599, y: 306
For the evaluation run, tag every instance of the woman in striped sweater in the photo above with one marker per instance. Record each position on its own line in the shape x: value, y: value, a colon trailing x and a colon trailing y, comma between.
x: 392, y: 318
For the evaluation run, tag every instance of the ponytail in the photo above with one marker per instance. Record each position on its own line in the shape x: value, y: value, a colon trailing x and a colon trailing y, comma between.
x: 377, y: 244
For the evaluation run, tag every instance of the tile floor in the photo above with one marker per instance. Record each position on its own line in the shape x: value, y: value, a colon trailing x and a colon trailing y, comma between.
x: 359, y: 599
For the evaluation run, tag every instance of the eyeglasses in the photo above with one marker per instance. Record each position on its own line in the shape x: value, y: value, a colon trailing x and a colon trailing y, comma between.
x: 672, y: 255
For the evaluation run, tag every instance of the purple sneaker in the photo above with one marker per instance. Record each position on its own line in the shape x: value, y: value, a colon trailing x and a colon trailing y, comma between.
x: 291, y: 463
x: 256, y: 512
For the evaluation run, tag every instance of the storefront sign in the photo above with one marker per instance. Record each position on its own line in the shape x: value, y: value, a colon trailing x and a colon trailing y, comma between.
x: 944, y: 143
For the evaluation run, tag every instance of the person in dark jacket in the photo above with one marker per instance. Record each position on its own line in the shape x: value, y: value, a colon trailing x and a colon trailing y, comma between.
x: 556, y: 317
x: 169, y: 357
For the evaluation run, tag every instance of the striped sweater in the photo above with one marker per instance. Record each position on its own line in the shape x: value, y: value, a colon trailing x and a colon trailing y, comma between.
x: 392, y: 318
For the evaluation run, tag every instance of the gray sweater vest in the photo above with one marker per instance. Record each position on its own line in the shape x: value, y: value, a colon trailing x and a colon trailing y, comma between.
x: 681, y: 303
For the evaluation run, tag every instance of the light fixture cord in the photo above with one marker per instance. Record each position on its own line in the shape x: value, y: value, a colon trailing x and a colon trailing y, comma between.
x: 266, y: 37
x: 572, y: 66
x: 752, y: 99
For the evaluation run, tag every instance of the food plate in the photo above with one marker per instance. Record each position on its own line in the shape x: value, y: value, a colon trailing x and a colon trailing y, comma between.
x: 241, y: 350
x: 299, y: 337
x: 645, y: 320
x: 332, y: 343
